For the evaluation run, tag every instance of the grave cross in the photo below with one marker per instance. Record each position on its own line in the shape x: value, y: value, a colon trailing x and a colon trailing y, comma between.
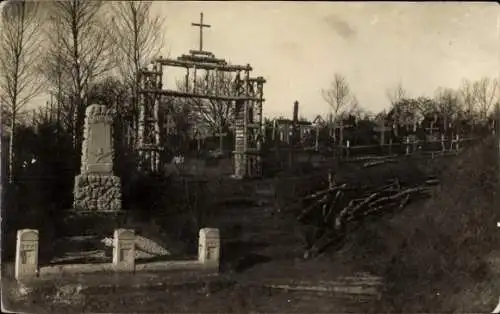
x: 431, y: 129
x: 201, y: 25
x: 341, y: 127
x: 382, y: 129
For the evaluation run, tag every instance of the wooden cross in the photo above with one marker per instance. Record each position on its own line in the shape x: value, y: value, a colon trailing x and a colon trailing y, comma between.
x: 201, y: 25
x: 197, y: 136
x: 407, y: 145
x: 382, y: 129
x: 431, y: 129
x: 341, y: 127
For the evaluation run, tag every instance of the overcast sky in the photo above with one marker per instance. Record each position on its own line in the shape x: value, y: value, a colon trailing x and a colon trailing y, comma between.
x: 299, y: 46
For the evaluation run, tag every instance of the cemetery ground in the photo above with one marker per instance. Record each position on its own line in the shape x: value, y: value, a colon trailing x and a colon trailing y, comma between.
x: 437, y: 254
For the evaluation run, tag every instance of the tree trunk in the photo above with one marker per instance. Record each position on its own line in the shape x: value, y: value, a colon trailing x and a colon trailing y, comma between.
x: 11, y: 148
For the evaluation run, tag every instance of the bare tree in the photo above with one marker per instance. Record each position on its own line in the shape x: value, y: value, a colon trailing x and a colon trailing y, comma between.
x: 396, y: 94
x: 137, y: 36
x: 486, y: 96
x: 337, y: 95
x: 448, y: 107
x: 356, y: 110
x: 58, y: 80
x: 214, y: 114
x: 83, y: 51
x: 406, y: 113
x: 19, y: 45
x: 468, y: 96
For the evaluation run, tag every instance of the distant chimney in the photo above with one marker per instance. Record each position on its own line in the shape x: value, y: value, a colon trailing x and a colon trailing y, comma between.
x: 295, y: 112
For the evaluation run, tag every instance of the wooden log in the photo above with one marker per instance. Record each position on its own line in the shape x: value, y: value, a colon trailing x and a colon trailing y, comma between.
x: 312, y: 207
x: 350, y: 209
x: 323, y: 192
x: 377, y: 163
x: 337, y: 197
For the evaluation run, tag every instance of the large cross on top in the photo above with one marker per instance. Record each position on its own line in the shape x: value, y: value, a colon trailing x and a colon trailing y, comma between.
x: 201, y: 25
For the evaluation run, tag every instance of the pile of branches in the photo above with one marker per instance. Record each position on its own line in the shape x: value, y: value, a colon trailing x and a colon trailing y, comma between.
x: 329, y: 214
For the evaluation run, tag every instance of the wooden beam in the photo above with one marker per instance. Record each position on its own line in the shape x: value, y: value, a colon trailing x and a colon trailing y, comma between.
x: 258, y: 79
x: 203, y: 59
x: 205, y: 96
x: 150, y: 72
x: 198, y: 52
x: 203, y: 65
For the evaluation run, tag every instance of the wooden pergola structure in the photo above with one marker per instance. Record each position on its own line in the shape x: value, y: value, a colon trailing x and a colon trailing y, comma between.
x: 246, y: 96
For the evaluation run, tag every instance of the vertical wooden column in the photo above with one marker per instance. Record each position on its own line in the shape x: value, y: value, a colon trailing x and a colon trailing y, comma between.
x: 141, y: 120
x: 156, y: 116
x: 238, y: 172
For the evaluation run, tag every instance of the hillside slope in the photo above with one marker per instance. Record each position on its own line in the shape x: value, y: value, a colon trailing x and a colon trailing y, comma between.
x: 435, y: 255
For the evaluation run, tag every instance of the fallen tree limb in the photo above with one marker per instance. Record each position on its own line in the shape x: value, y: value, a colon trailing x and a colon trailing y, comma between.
x: 318, y: 194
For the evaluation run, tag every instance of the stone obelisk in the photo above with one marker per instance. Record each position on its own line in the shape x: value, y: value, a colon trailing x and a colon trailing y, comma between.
x: 97, y: 189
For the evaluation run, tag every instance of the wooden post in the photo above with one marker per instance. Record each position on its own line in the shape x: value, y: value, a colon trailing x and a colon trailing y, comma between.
x: 316, y: 144
x: 341, y: 132
x: 194, y: 79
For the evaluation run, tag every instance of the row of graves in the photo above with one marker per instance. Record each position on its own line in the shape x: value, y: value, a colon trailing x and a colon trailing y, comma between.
x: 423, y: 138
x: 291, y: 140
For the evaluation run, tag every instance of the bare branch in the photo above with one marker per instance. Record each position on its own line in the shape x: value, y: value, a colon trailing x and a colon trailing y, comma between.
x: 79, y: 53
x: 337, y: 96
x: 213, y: 114
x: 396, y: 94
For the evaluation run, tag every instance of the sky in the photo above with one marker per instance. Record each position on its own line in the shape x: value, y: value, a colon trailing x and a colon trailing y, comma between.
x: 299, y: 46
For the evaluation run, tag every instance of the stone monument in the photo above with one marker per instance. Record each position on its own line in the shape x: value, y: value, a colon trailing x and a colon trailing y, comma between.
x: 96, y: 188
x: 97, y: 206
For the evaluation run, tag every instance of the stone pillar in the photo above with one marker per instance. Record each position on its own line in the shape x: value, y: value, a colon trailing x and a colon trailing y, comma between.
x: 26, y: 254
x: 124, y: 250
x: 209, y: 247
x: 96, y: 188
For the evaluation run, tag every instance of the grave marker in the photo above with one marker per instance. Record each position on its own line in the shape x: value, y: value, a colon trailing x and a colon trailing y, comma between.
x: 407, y: 145
x: 341, y: 127
x: 124, y: 250
x: 209, y: 247
x: 443, y: 146
x: 26, y: 254
x: 382, y: 129
x: 431, y: 129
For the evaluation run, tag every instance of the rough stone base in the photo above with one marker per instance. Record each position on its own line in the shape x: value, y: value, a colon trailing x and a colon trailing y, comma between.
x: 94, y: 192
